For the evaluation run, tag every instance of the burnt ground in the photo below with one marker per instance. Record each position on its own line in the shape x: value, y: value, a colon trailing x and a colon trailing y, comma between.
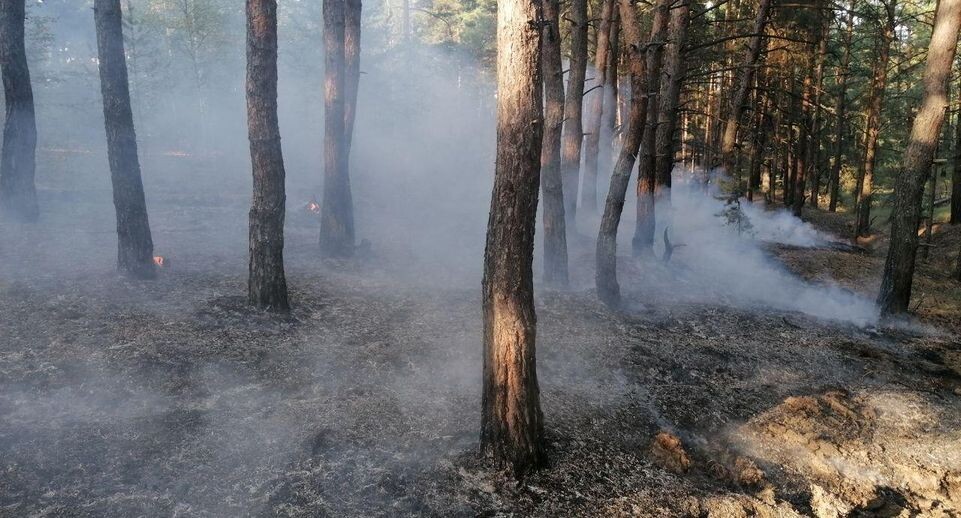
x: 171, y: 398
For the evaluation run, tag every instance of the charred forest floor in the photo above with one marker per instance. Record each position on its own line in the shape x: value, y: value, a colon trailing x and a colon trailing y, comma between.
x: 172, y: 398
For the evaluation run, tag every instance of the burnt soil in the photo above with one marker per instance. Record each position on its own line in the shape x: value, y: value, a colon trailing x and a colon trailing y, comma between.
x: 172, y: 398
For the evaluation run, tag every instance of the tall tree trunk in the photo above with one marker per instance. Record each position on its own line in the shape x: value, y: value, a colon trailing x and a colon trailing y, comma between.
x: 895, y: 293
x: 672, y: 76
x: 337, y: 212
x: 778, y: 163
x: 758, y: 142
x: 800, y: 163
x: 352, y: 15
x: 573, y: 135
x: 814, y: 144
x: 745, y: 80
x: 595, y: 111
x: 790, y: 118
x: 805, y: 152
x: 873, y: 128
x: 18, y: 194
x: 266, y: 283
x: 612, y: 103
x: 605, y: 278
x: 840, y: 110
x: 643, y: 241
x: 791, y: 172
x: 134, y: 244
x: 511, y: 421
x: 707, y: 160
x: 555, y: 234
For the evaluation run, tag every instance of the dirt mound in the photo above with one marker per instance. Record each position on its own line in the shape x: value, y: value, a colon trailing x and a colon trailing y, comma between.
x: 859, y: 454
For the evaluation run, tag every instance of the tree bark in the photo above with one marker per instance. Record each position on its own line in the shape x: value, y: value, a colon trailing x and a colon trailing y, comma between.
x: 352, y: 15
x: 758, y: 142
x: 671, y: 79
x: 555, y: 233
x: 873, y: 127
x: 840, y: 109
x: 792, y: 162
x: 642, y: 243
x: 807, y: 112
x: 612, y: 102
x: 814, y: 143
x: 18, y: 194
x: 134, y: 244
x: 895, y: 293
x: 746, y: 79
x: 605, y: 278
x: 511, y: 420
x: 266, y: 283
x: 595, y: 111
x: 573, y: 135
x: 337, y: 212
x: 801, y: 172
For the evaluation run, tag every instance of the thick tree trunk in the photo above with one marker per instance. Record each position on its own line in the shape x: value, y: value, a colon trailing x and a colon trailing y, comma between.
x: 605, y: 278
x: 18, y: 194
x: 745, y: 80
x: 573, y: 135
x: 873, y: 128
x: 840, y: 110
x: 511, y: 421
x: 672, y: 77
x: 134, y: 244
x: 337, y: 212
x: 266, y: 283
x: 642, y: 243
x: 555, y: 234
x: 595, y: 111
x: 352, y: 14
x: 895, y: 293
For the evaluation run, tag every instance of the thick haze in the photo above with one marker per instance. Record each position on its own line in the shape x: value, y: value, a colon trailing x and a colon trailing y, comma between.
x: 421, y: 165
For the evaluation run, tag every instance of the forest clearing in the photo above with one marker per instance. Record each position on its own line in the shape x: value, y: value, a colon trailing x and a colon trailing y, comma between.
x: 179, y: 400
x: 495, y: 258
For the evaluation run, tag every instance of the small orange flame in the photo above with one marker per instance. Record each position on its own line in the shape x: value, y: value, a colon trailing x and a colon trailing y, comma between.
x: 159, y: 261
x: 313, y: 207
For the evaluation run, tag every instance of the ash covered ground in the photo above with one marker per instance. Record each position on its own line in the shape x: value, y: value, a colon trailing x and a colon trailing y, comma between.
x: 171, y: 398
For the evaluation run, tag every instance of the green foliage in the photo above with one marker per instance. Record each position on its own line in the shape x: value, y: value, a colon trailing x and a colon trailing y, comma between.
x: 469, y: 26
x: 734, y: 216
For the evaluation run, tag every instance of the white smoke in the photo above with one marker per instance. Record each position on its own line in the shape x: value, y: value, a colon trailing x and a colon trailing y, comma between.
x: 723, y: 260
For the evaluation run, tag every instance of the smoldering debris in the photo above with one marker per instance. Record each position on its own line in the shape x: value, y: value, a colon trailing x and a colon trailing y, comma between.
x: 725, y: 260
